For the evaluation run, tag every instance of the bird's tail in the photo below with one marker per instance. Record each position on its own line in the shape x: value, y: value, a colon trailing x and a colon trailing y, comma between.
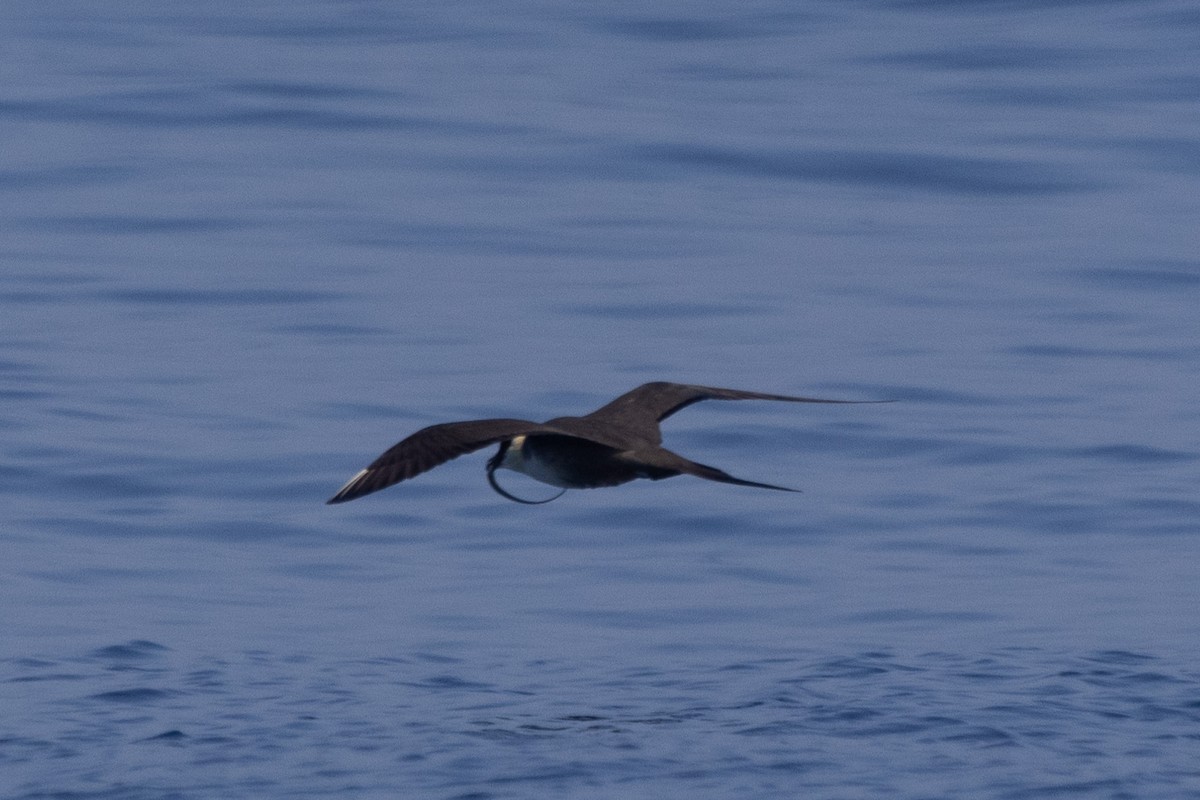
x: 720, y: 476
x: 665, y: 464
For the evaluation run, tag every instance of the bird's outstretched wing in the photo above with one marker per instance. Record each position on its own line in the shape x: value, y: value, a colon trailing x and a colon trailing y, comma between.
x: 429, y: 447
x: 647, y: 405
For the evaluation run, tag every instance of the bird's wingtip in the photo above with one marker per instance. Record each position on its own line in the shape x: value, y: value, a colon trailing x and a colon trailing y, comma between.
x: 348, y: 491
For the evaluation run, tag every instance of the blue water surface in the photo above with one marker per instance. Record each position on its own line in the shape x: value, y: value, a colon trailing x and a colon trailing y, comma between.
x: 247, y: 246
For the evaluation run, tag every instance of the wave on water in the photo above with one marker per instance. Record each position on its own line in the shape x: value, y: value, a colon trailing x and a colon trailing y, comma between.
x: 137, y: 719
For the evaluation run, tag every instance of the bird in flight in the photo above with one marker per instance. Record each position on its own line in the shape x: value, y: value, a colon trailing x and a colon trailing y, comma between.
x: 617, y: 443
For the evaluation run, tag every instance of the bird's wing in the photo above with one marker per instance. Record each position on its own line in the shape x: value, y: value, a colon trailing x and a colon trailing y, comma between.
x: 651, y: 403
x: 429, y: 447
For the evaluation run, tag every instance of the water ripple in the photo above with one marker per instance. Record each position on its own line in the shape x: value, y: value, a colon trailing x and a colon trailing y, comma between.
x: 1013, y: 717
x: 924, y: 171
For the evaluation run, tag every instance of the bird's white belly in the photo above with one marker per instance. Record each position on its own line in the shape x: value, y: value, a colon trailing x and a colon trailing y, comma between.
x: 518, y: 458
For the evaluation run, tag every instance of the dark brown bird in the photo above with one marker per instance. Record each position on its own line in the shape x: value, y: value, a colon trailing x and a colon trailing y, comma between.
x: 614, y: 444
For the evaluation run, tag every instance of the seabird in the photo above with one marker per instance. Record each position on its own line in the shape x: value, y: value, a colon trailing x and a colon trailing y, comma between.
x: 615, y: 444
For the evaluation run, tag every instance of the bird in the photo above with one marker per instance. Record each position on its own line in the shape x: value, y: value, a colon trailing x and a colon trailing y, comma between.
x: 615, y: 444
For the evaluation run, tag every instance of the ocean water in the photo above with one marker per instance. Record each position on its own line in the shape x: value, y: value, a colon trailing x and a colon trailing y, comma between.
x: 248, y: 246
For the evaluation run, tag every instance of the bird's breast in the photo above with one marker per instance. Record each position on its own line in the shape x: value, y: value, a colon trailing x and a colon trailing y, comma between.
x: 567, y: 462
x: 533, y: 461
